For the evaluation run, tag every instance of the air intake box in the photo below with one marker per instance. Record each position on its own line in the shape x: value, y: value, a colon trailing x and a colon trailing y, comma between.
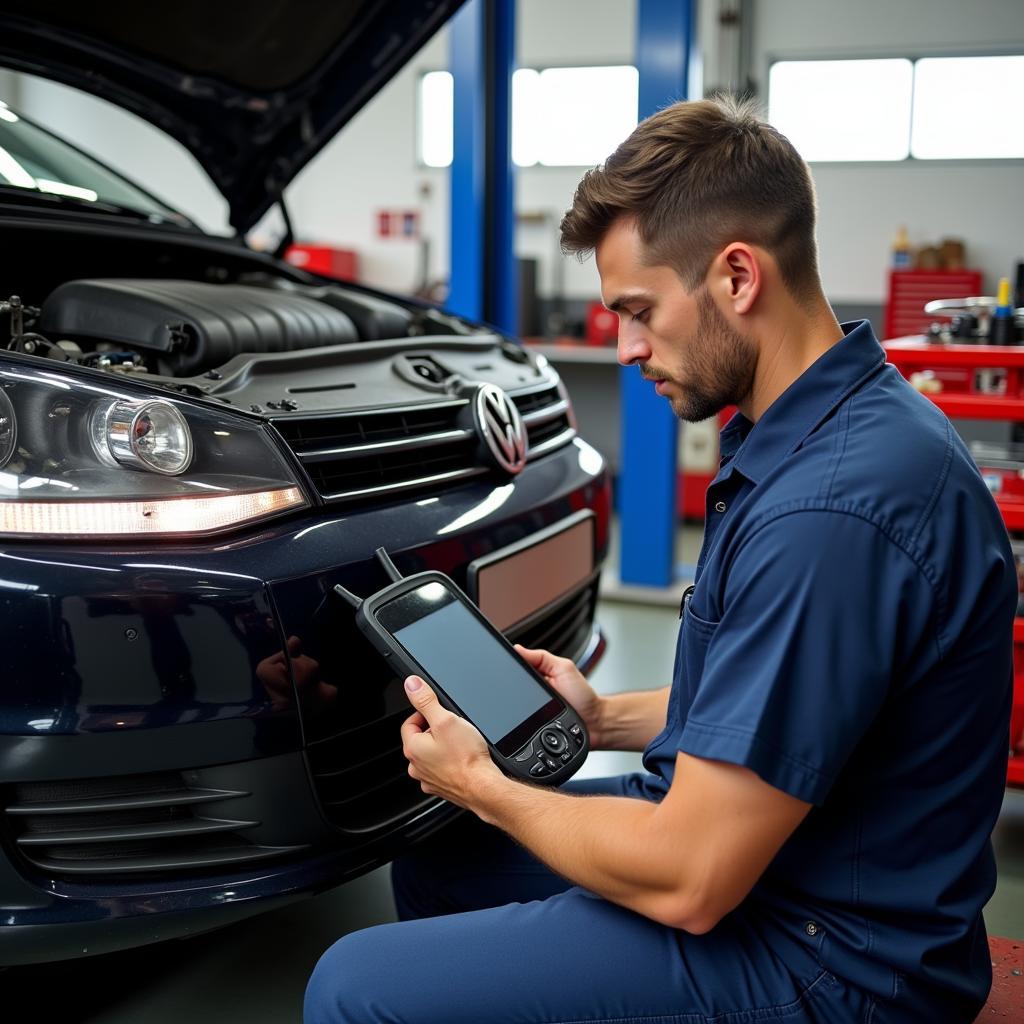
x: 191, y: 325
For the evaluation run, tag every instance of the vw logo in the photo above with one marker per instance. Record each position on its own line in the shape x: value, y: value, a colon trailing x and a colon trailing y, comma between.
x: 500, y: 427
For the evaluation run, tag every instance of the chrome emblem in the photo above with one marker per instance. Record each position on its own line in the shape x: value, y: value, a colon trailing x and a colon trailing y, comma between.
x: 500, y: 427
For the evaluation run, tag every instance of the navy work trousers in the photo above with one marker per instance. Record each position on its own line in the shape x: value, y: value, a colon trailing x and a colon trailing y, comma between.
x: 489, y: 935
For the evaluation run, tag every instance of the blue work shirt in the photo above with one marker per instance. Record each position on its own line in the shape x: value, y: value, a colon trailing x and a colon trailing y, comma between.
x: 849, y: 639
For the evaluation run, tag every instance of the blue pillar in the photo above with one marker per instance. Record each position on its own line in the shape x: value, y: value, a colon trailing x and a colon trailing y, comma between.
x: 483, y: 269
x: 650, y: 431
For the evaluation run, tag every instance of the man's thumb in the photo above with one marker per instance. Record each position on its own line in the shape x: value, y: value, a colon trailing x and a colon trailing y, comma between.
x: 420, y: 696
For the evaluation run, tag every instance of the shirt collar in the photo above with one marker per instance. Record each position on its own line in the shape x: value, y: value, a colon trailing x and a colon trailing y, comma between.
x: 756, y: 448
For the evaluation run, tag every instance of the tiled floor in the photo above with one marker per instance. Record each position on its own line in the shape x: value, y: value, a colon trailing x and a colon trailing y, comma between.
x: 255, y: 972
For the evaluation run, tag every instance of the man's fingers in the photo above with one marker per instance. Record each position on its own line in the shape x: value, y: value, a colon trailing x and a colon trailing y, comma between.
x: 414, y: 725
x: 543, y: 661
x: 423, y: 699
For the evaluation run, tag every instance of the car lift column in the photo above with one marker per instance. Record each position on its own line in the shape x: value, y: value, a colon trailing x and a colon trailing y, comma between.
x: 483, y: 270
x: 650, y: 430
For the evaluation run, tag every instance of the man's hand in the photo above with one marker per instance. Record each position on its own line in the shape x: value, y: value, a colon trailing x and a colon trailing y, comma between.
x: 447, y: 755
x: 562, y: 675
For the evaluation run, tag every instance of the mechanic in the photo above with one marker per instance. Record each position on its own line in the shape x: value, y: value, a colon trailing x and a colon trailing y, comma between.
x: 810, y: 840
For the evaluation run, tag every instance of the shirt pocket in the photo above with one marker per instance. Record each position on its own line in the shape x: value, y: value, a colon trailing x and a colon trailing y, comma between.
x: 697, y: 636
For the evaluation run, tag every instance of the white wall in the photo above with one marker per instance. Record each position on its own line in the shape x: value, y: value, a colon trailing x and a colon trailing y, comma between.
x: 862, y: 205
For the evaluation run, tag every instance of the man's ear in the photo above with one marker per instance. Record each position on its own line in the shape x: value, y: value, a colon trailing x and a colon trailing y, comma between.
x: 738, y: 276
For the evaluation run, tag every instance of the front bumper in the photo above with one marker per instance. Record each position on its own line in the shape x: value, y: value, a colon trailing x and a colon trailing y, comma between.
x: 255, y: 727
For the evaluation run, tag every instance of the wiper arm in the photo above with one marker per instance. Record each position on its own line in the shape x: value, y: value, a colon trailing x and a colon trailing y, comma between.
x: 98, y: 205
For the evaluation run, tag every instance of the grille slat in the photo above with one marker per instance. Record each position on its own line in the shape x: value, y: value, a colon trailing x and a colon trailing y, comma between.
x: 360, y: 775
x: 133, y: 823
x: 374, y: 453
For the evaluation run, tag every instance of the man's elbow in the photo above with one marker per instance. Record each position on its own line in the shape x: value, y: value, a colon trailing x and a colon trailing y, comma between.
x: 689, y: 912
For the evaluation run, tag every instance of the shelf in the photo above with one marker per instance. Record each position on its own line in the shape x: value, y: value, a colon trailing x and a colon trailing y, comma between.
x: 980, y: 407
x: 915, y: 352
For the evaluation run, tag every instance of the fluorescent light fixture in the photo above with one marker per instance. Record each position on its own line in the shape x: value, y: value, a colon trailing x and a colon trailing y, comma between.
x: 843, y: 109
x: 437, y: 118
x: 164, y: 516
x: 964, y: 108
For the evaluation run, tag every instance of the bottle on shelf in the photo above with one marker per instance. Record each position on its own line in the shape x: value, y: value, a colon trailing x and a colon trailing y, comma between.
x: 901, y: 249
x: 1002, y: 329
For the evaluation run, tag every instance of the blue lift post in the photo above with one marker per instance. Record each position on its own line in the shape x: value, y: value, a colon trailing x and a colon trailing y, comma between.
x: 483, y: 269
x: 650, y: 430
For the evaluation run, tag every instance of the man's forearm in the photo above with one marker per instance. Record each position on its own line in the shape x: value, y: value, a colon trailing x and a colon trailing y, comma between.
x: 629, y: 721
x: 616, y: 850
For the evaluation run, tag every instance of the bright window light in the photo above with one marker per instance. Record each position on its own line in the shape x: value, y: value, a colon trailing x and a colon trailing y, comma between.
x: 843, y: 109
x: 583, y: 114
x: 526, y: 109
x: 437, y: 103
x: 964, y: 108
x: 561, y: 117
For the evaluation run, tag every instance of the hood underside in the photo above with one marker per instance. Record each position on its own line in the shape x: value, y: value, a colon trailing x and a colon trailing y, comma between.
x: 252, y: 88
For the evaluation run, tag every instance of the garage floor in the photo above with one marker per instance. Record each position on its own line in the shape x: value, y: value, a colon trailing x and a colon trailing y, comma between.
x: 255, y: 972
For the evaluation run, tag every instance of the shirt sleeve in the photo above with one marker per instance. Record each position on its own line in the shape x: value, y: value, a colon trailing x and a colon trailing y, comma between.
x: 822, y: 614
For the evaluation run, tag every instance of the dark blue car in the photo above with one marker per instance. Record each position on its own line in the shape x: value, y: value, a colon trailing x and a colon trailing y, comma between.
x: 197, y: 442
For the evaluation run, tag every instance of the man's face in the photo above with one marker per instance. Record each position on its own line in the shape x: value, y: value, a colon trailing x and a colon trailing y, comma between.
x: 680, y: 340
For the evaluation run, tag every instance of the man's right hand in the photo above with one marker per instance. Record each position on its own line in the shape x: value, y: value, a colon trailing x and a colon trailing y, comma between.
x: 563, y: 676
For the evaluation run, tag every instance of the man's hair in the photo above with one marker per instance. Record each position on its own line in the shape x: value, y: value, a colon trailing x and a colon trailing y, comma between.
x: 696, y: 176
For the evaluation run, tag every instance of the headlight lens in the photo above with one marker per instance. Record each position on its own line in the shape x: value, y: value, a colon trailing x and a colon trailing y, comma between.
x: 92, y: 458
x: 147, y: 435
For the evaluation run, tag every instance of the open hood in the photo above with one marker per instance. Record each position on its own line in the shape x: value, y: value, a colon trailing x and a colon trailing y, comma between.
x: 252, y: 88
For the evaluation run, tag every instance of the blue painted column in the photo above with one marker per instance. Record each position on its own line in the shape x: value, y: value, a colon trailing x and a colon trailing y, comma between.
x: 650, y: 431
x: 483, y: 268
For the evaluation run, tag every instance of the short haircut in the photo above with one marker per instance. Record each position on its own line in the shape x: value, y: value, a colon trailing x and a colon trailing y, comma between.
x: 696, y: 176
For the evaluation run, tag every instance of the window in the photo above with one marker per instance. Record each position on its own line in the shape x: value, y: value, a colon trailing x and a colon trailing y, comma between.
x: 964, y: 108
x: 931, y: 108
x: 843, y: 109
x: 436, y: 101
x: 561, y: 117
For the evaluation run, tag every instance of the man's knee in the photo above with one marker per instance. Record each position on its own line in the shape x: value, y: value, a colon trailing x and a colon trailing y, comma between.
x: 343, y: 986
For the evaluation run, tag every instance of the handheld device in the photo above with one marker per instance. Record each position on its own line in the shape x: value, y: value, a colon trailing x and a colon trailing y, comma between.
x: 425, y: 625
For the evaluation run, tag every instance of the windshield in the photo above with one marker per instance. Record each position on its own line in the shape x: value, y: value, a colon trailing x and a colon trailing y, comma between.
x: 32, y: 158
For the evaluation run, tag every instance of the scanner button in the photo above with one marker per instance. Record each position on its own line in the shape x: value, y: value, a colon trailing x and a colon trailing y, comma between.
x: 550, y: 762
x: 553, y: 741
x: 526, y: 754
x: 538, y: 769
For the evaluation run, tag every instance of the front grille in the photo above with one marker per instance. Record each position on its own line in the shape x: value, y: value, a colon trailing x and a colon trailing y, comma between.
x: 359, y: 455
x: 360, y: 775
x: 136, y: 823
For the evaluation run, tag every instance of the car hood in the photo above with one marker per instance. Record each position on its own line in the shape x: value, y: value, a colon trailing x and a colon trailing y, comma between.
x: 252, y: 88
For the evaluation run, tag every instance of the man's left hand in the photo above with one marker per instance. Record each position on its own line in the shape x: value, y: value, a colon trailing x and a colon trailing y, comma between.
x: 447, y: 755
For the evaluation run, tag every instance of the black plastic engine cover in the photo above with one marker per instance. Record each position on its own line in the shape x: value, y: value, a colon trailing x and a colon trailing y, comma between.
x: 192, y: 325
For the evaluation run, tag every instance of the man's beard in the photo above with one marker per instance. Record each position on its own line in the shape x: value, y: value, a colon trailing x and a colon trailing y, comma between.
x: 720, y: 365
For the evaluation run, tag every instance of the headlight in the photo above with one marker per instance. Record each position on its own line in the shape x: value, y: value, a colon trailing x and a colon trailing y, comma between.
x: 146, y: 435
x: 85, y: 457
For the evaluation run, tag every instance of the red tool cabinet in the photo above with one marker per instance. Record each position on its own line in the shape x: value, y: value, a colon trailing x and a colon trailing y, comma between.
x: 982, y: 382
